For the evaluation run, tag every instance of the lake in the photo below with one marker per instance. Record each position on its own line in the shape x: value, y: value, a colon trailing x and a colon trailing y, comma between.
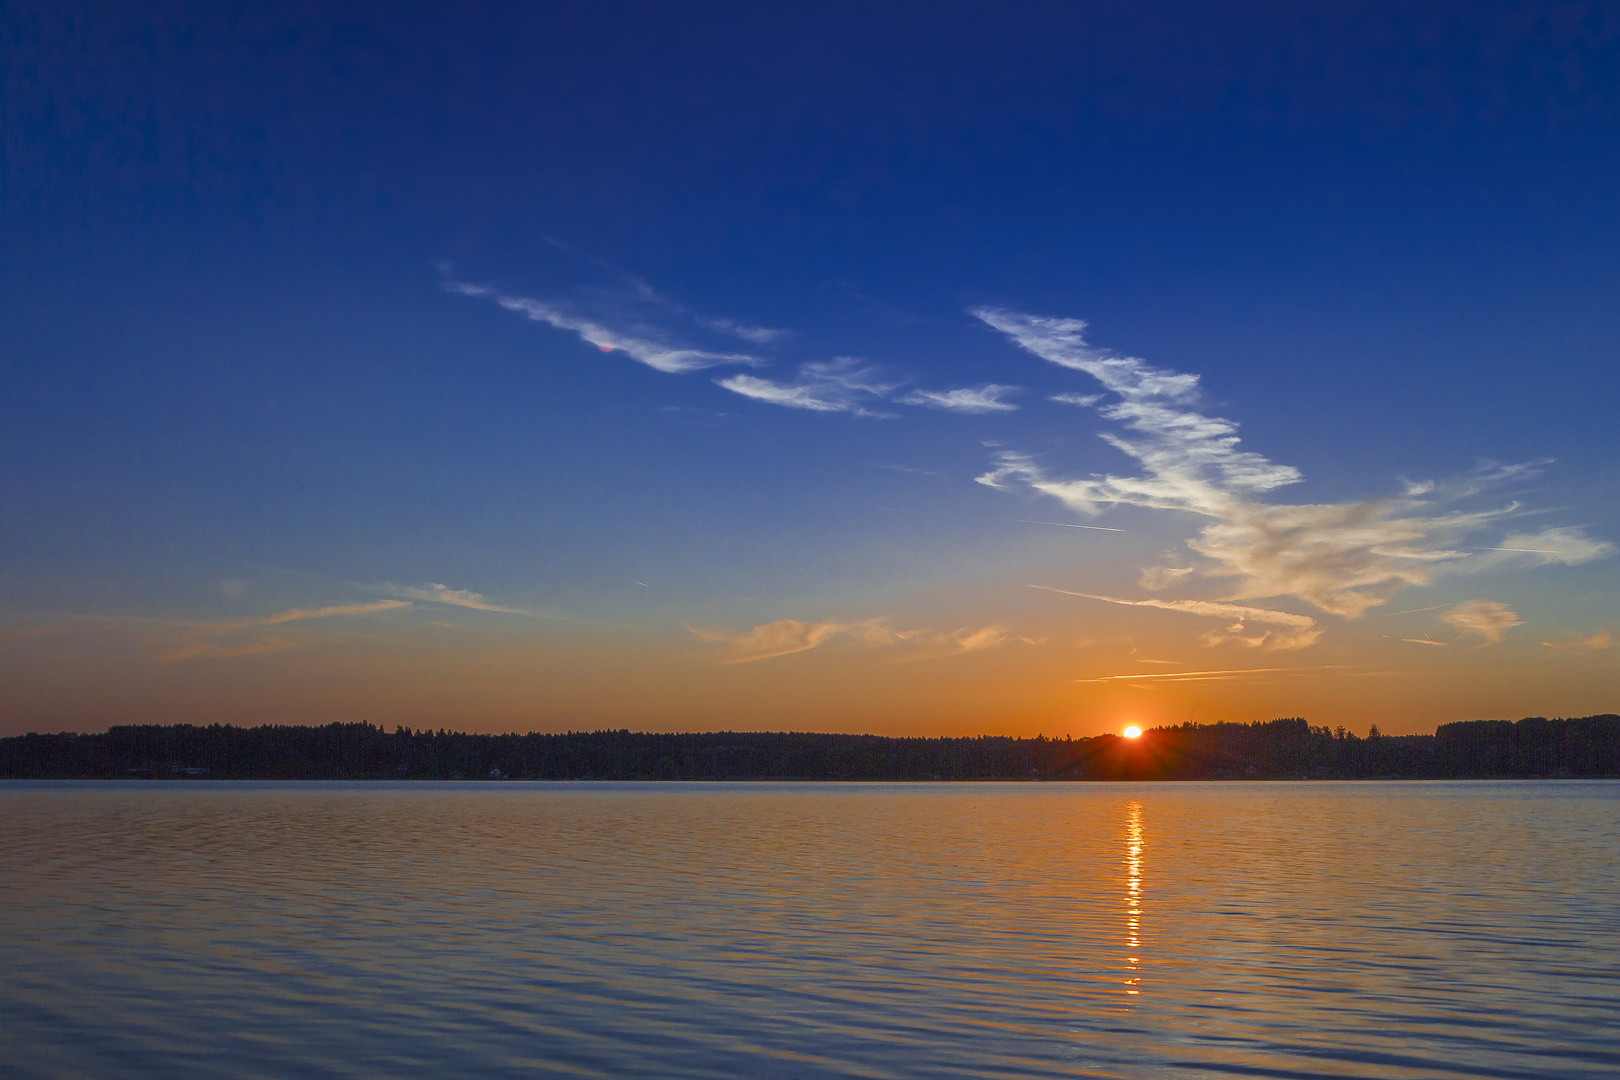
x: 255, y: 929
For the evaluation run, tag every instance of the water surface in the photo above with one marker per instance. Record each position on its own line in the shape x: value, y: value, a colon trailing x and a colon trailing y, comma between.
x: 260, y: 929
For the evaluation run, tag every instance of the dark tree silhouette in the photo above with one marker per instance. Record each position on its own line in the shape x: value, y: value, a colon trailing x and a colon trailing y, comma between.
x: 1288, y: 749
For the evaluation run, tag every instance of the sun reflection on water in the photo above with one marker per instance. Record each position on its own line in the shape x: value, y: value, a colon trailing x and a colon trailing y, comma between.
x: 1133, y: 896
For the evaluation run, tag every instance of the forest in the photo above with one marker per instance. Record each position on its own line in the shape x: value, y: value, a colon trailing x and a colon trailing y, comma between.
x: 1286, y: 749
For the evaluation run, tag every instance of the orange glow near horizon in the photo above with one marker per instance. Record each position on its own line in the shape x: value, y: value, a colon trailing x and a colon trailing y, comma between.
x: 1132, y: 732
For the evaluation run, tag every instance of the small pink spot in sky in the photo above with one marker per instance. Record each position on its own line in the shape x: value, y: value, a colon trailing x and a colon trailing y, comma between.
x: 605, y: 348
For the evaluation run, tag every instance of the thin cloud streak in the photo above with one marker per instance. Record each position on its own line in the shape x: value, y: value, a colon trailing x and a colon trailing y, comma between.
x: 211, y: 639
x: 839, y: 385
x: 443, y: 594
x: 758, y: 335
x: 1298, y: 631
x: 298, y: 614
x: 988, y: 398
x: 1188, y: 676
x: 784, y: 637
x: 1064, y: 525
x: 661, y: 356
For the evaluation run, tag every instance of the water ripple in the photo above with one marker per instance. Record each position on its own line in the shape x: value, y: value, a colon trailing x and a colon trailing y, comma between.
x: 810, y: 930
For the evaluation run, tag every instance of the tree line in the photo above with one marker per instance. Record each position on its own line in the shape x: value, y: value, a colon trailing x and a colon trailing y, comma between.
x: 1287, y: 749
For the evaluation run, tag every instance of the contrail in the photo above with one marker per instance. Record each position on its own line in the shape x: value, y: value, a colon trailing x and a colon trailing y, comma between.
x: 1096, y: 528
x: 1409, y: 611
x: 1187, y: 674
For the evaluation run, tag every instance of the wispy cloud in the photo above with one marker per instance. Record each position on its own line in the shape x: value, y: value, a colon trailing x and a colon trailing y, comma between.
x: 968, y: 639
x: 1487, y: 618
x: 642, y: 346
x: 1584, y: 643
x: 1188, y: 676
x: 1063, y: 342
x: 443, y: 594
x: 1295, y: 631
x: 839, y: 385
x: 1155, y: 578
x: 759, y: 335
x: 299, y: 614
x: 785, y: 637
x: 1342, y: 558
x: 989, y: 398
x: 1549, y: 547
x: 227, y: 638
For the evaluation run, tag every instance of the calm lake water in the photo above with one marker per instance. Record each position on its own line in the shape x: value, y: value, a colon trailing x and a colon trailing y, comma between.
x: 810, y: 930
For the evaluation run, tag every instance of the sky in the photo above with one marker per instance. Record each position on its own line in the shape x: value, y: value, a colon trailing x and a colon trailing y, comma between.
x: 914, y: 369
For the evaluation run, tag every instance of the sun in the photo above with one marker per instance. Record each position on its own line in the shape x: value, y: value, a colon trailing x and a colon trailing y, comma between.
x: 1133, y: 732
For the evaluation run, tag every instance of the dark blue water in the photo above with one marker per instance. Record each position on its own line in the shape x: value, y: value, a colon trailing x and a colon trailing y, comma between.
x: 807, y: 930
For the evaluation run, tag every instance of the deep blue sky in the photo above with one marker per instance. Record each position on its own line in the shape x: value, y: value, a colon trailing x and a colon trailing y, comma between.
x: 234, y: 381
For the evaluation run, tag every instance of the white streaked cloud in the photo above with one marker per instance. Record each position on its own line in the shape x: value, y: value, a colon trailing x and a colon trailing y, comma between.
x: 1280, y: 629
x: 989, y: 398
x: 1217, y: 675
x: 299, y: 614
x: 1063, y: 342
x: 1487, y: 618
x: 784, y: 637
x: 641, y: 346
x: 839, y: 385
x: 443, y: 594
x: 1343, y: 558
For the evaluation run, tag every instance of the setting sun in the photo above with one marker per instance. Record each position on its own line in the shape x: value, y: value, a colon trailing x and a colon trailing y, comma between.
x: 1133, y: 732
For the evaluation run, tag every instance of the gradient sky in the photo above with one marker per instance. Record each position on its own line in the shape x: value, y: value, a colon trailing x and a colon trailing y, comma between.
x: 701, y: 366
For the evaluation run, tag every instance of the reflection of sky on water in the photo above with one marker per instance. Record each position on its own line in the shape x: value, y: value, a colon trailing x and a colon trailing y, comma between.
x: 264, y: 930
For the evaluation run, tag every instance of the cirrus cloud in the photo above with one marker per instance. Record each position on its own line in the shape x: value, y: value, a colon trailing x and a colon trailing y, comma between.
x: 1283, y: 629
x: 784, y: 637
x: 988, y: 398
x: 1342, y: 558
x: 659, y: 355
x: 839, y: 385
